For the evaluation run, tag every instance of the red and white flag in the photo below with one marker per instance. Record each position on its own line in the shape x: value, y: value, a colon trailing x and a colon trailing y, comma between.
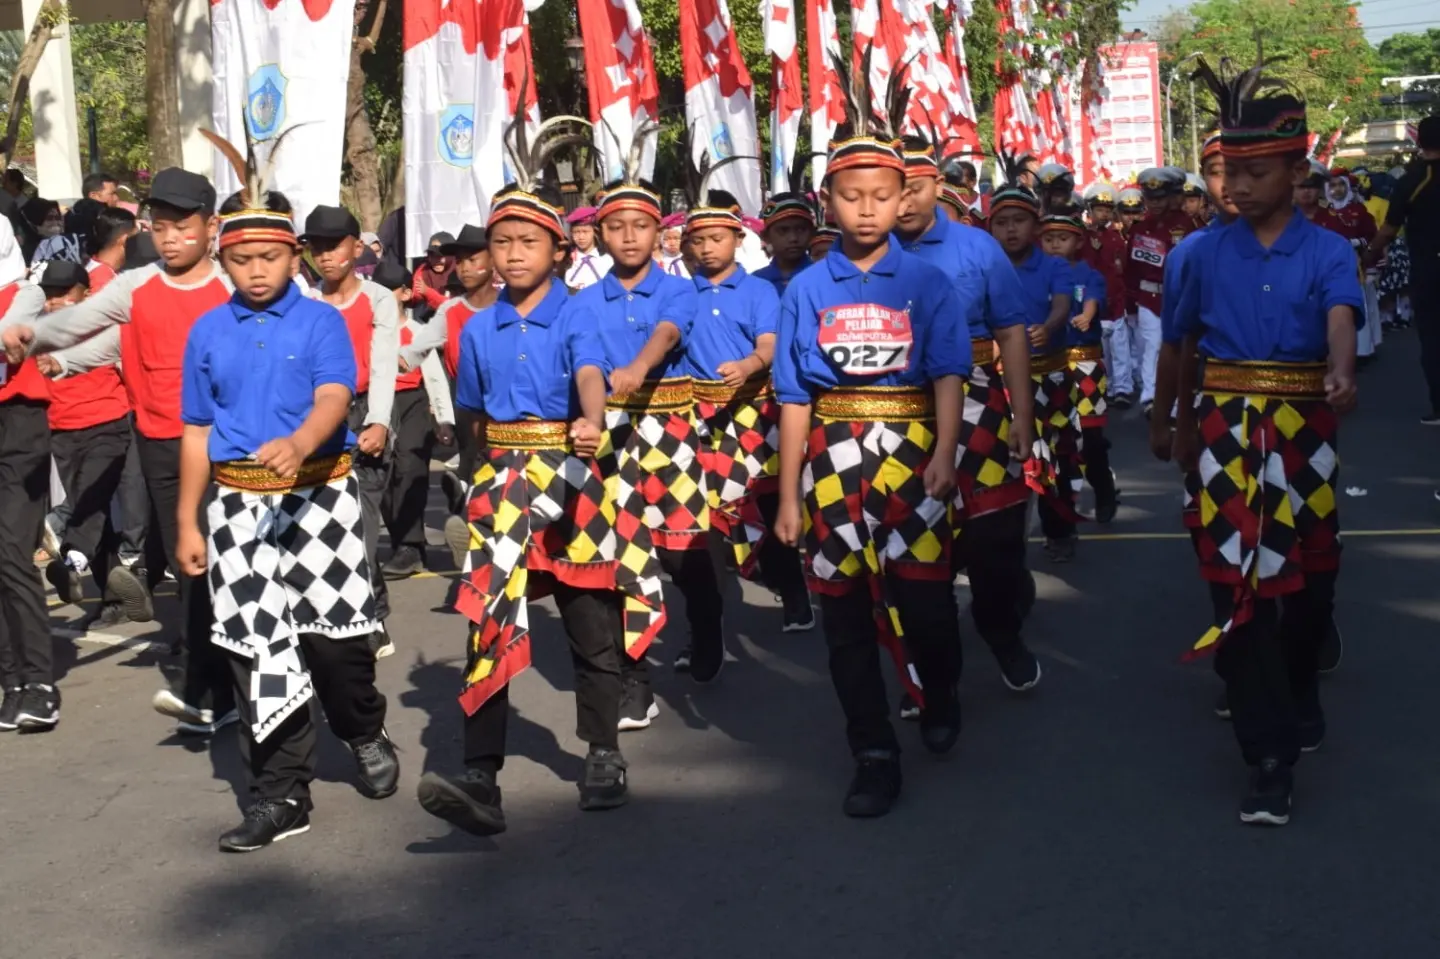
x: 719, y: 99
x: 1324, y: 156
x: 519, y: 64
x: 787, y: 100
x: 868, y: 32
x: 1016, y: 127
x: 1095, y: 128
x: 620, y: 71
x: 283, y: 65
x: 455, y: 115
x: 827, y: 109
x: 964, y: 125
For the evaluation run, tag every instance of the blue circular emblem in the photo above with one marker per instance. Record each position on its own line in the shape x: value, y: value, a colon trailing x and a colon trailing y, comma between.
x: 828, y: 318
x: 456, y: 144
x: 265, y: 102
x: 721, y: 146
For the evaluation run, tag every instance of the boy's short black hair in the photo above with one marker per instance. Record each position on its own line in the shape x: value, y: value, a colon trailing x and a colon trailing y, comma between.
x: 14, y: 177
x: 1427, y: 133
x: 95, y: 182
x: 112, y: 225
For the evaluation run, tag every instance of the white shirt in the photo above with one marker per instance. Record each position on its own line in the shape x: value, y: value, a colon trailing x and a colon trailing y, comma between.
x: 674, y: 265
x: 587, y: 269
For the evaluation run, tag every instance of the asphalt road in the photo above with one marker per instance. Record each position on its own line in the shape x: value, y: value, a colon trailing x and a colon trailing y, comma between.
x: 1095, y: 818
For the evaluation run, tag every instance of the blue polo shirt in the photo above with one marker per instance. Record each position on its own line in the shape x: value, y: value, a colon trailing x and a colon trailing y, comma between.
x: 627, y: 318
x: 898, y: 283
x: 1175, y: 279
x: 1245, y: 302
x: 251, y: 375
x: 1041, y: 277
x: 729, y: 317
x: 515, y: 367
x: 978, y: 268
x: 1087, y: 284
x: 772, y: 274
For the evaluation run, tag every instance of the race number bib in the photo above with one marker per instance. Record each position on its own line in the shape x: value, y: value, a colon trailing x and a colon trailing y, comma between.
x: 866, y: 339
x: 1148, y: 249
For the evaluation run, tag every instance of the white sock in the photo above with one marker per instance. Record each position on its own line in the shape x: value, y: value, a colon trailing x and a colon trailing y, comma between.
x: 76, y: 560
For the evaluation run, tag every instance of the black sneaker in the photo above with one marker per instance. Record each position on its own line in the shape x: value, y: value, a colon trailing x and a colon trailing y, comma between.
x: 380, y: 644
x: 1332, y: 649
x: 107, y: 616
x: 66, y: 581
x: 876, y: 785
x: 455, y: 491
x: 457, y: 537
x: 909, y: 709
x: 269, y: 820
x: 940, y: 721
x: 1268, y: 802
x: 1432, y: 419
x: 1222, y: 705
x: 682, y: 660
x: 405, y: 562
x: 1105, y: 509
x: 378, y: 766
x: 39, y: 708
x: 1018, y: 667
x: 1060, y: 550
x: 1122, y: 401
x: 707, y: 658
x: 799, y: 614
x: 603, y: 786
x: 127, y: 584
x: 470, y: 802
x: 1312, y: 734
x: 10, y: 709
x: 637, y: 707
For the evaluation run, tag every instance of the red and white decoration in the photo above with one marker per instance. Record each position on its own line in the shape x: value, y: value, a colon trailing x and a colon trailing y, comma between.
x: 719, y: 99
x: 283, y: 65
x: 787, y: 98
x: 519, y: 63
x: 826, y: 107
x: 964, y: 130
x: 620, y: 73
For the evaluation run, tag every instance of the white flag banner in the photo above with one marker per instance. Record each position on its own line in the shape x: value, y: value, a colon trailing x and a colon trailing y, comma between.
x: 719, y: 100
x: 283, y: 65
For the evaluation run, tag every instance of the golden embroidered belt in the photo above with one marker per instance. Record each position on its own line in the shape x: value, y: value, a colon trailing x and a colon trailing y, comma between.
x: 715, y: 391
x: 674, y: 394
x: 1089, y: 353
x: 876, y: 404
x: 251, y: 477
x: 1299, y: 380
x: 1048, y: 363
x: 528, y: 435
x: 982, y: 351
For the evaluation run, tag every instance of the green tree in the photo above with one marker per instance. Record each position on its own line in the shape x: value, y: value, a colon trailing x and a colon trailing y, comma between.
x: 109, y: 61
x: 1412, y: 54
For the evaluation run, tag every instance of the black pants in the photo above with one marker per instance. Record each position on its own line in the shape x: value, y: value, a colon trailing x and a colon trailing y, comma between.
x: 1425, y: 301
x: 414, y: 435
x: 1096, y: 454
x: 373, y: 475
x: 696, y: 573
x: 932, y: 635
x: 131, y: 517
x: 25, y: 652
x: 781, y: 568
x: 992, y: 548
x: 343, y: 673
x: 467, y: 444
x: 91, y: 462
x: 1269, y: 667
x: 206, y: 677
x: 593, y: 624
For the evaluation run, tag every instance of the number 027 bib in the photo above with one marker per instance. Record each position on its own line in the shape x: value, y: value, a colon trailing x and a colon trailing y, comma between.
x: 866, y: 339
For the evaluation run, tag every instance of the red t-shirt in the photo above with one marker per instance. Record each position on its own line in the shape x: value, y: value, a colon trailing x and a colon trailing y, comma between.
x: 455, y: 319
x: 22, y: 381
x: 89, y: 399
x: 411, y: 380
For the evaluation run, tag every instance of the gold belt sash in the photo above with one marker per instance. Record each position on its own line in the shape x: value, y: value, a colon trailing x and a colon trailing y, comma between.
x: 674, y: 394
x: 1048, y: 363
x: 879, y: 404
x: 982, y: 351
x: 1088, y: 353
x: 1298, y: 380
x: 715, y: 391
x: 528, y: 435
x: 253, y: 478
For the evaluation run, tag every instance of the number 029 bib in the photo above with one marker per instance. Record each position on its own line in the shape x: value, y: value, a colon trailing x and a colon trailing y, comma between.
x: 1149, y: 250
x: 866, y: 339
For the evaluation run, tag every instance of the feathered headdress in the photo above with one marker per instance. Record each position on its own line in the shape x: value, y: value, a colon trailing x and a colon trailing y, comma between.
x: 264, y: 216
x: 631, y: 191
x: 1013, y: 194
x: 795, y: 201
x: 867, y: 140
x: 922, y: 152
x: 529, y: 197
x: 1259, y: 115
x: 708, y: 207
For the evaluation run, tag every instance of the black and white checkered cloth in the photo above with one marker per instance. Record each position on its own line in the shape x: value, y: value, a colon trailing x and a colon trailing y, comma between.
x: 282, y: 564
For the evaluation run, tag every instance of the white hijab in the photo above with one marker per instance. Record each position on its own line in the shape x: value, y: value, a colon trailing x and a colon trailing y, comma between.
x: 1349, y: 197
x: 12, y: 261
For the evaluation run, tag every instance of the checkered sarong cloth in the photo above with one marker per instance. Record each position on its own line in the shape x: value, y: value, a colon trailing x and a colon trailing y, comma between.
x: 282, y: 564
x: 1091, y: 383
x: 740, y: 453
x: 987, y: 477
x: 867, y: 515
x: 1268, y: 472
x: 545, y: 511
x: 1057, y: 427
x: 652, y: 470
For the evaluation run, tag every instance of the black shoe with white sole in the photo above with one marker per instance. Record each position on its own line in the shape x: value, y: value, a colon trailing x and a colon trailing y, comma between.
x: 208, y: 727
x: 1268, y: 801
x: 10, y: 709
x: 682, y: 660
x: 604, y: 785
x: 875, y: 786
x: 66, y: 581
x: 1431, y: 419
x: 909, y: 709
x: 799, y: 614
x: 380, y: 644
x: 377, y: 765
x: 1018, y: 667
x: 106, y: 617
x: 1222, y: 705
x: 470, y: 802
x: 637, y: 707
x: 940, y: 720
x: 39, y: 708
x: 268, y: 821
x: 127, y: 584
x: 404, y: 563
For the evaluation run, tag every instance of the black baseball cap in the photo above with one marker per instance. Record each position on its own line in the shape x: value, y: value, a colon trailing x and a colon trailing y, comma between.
x: 330, y: 223
x: 390, y: 274
x: 470, y: 240
x: 140, y: 251
x: 64, y: 274
x: 184, y: 191
x: 439, y: 240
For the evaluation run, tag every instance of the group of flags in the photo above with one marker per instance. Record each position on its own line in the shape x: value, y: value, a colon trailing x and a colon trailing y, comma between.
x: 459, y: 54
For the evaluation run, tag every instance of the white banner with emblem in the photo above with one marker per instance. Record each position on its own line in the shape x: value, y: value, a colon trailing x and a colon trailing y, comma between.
x: 284, y: 65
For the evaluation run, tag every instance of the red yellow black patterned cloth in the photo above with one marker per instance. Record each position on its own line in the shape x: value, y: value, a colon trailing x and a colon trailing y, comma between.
x: 652, y: 468
x: 1057, y: 427
x: 740, y: 452
x: 1087, y: 372
x: 987, y: 477
x: 1267, y: 474
x: 537, y: 508
x: 866, y: 512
